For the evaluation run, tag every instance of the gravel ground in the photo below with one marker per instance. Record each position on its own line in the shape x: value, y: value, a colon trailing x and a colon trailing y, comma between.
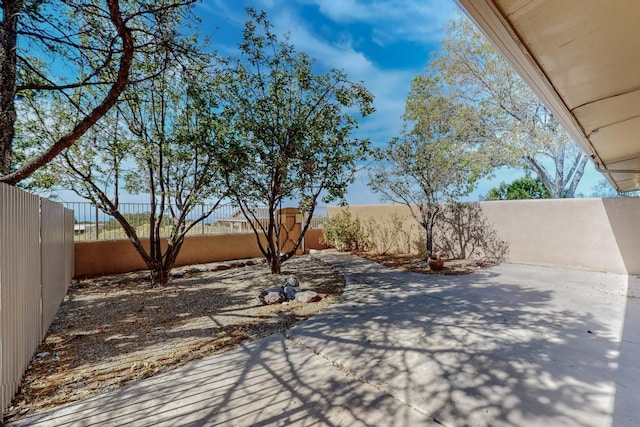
x: 113, y: 330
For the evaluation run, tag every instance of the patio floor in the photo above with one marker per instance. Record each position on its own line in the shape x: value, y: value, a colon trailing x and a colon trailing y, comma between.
x: 513, y: 345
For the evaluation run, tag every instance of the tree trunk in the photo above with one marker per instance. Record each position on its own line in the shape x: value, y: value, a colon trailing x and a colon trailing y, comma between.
x: 429, y: 238
x: 171, y: 254
x: 581, y: 163
x: 8, y: 60
x: 273, y: 238
x: 273, y: 248
x: 276, y: 264
x: 160, y: 275
x: 431, y: 220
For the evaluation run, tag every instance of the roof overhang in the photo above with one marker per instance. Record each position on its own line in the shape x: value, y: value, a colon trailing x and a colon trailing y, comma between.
x: 583, y: 59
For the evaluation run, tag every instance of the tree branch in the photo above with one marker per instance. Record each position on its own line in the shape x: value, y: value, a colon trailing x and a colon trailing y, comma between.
x: 109, y: 101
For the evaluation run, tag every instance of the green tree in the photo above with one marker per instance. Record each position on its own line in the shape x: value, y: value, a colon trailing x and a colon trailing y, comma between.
x: 291, y: 135
x: 162, y: 142
x: 53, y: 51
x: 431, y: 162
x: 526, y: 187
x: 511, y: 124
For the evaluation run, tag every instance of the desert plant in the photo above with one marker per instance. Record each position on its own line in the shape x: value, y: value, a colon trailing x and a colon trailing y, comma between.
x: 420, y: 247
x: 405, y: 244
x: 343, y: 233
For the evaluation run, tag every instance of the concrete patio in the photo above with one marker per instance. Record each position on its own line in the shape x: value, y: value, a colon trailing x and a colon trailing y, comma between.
x: 514, y: 345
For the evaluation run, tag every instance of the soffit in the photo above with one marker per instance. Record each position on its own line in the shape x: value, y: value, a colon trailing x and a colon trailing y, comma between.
x: 583, y: 59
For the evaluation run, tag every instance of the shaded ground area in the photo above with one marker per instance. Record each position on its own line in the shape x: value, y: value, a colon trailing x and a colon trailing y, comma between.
x: 512, y: 345
x: 115, y: 330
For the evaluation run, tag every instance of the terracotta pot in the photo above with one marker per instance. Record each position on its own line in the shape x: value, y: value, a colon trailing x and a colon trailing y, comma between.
x: 436, y: 264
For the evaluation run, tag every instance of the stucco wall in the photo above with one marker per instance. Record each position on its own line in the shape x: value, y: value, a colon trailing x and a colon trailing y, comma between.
x: 592, y: 234
x: 568, y: 233
x: 94, y: 258
x: 408, y: 236
x: 624, y: 217
x: 313, y: 239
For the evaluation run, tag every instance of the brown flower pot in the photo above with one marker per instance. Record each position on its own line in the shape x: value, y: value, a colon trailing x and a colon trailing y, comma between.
x: 436, y: 264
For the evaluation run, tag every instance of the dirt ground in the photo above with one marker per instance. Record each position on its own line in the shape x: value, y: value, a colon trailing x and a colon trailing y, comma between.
x: 111, y: 331
x: 411, y: 262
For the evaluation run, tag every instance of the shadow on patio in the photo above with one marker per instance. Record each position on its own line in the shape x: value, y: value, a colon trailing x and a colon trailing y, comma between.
x: 513, y: 345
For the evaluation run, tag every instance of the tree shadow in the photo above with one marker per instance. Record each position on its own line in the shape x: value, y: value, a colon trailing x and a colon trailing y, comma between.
x: 111, y: 334
x: 484, y: 349
x: 509, y: 346
x: 268, y: 382
x: 463, y: 233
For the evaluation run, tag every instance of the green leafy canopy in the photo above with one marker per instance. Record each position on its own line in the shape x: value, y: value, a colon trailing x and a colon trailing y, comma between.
x: 292, y: 127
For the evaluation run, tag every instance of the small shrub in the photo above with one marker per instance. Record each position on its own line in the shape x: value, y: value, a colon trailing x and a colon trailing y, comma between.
x: 343, y: 233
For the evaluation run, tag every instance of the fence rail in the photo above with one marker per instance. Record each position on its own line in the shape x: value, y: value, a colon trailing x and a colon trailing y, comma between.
x: 93, y: 224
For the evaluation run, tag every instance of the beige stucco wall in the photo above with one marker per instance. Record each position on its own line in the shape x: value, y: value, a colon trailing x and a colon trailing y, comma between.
x: 592, y: 234
x: 568, y: 233
x: 624, y: 217
x: 313, y: 239
x: 381, y: 214
x: 94, y: 258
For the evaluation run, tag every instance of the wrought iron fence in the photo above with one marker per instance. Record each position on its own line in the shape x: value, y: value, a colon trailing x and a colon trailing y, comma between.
x: 93, y: 224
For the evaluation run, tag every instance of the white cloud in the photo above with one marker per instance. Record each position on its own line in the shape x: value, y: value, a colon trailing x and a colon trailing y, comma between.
x: 416, y: 20
x: 344, y: 10
x: 220, y: 8
x: 341, y: 55
x: 392, y: 20
x: 389, y: 87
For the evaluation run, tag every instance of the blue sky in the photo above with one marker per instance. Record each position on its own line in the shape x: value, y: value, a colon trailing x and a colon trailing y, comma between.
x: 385, y: 46
x: 385, y: 43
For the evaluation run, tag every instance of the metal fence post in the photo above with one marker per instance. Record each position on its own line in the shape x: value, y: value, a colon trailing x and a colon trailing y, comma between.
x: 97, y: 225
